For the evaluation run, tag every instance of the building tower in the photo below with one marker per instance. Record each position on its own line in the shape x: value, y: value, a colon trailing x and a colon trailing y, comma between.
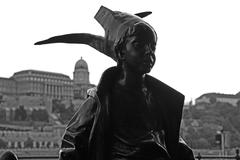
x: 81, y: 80
x: 81, y: 74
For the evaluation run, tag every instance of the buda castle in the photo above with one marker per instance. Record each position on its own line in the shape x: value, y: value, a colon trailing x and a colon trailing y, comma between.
x: 36, y: 89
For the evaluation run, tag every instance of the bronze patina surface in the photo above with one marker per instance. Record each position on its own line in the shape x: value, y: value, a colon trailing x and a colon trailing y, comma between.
x: 130, y: 115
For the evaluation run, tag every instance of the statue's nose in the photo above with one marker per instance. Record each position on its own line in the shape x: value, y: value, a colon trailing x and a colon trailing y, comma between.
x: 148, y: 49
x: 150, y: 56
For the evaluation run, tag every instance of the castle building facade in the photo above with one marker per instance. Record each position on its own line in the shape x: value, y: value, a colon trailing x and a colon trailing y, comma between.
x: 39, y: 83
x: 36, y: 92
x: 29, y: 85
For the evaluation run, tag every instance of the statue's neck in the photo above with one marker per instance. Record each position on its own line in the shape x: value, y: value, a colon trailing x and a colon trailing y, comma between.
x: 131, y: 79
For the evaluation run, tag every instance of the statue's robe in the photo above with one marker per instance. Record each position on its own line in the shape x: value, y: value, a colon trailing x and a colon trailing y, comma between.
x: 89, y: 129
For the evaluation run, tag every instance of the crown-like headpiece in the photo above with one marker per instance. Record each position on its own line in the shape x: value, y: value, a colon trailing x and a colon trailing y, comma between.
x: 115, y: 24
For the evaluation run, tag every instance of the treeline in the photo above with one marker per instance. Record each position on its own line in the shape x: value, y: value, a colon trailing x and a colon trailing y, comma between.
x: 21, y: 114
x: 203, y: 121
x: 63, y: 111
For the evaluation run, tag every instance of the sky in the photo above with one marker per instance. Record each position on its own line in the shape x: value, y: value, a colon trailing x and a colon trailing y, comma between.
x: 197, y: 50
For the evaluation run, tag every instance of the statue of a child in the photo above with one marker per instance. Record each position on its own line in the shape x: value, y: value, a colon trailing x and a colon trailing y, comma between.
x: 130, y: 115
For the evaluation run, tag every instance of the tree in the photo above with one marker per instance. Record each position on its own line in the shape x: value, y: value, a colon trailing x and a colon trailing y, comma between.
x: 43, y: 115
x: 3, y: 144
x: 2, y: 114
x: 40, y: 115
x: 57, y: 106
x: 238, y: 104
x: 20, y: 114
x: 1, y: 99
x: 209, y: 120
x: 67, y: 114
x: 202, y: 143
x: 29, y: 143
x: 213, y: 100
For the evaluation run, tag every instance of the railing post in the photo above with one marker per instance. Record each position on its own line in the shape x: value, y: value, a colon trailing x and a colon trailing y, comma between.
x: 237, y: 154
x: 199, y: 156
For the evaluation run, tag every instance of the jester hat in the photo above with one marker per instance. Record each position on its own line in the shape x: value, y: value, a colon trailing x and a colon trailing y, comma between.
x: 115, y: 24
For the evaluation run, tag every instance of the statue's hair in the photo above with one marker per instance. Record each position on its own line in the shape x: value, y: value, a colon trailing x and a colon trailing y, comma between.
x: 131, y: 31
x: 8, y: 155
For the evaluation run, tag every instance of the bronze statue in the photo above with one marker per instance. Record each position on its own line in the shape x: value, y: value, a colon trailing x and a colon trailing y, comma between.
x: 130, y: 115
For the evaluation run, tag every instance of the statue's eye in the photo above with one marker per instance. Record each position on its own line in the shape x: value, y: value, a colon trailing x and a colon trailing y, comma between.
x: 136, y: 44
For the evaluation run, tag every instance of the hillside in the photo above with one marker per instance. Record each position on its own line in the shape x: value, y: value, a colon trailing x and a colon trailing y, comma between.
x: 201, y: 123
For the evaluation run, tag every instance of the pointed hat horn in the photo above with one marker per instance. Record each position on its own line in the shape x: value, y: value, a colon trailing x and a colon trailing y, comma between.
x: 114, y: 24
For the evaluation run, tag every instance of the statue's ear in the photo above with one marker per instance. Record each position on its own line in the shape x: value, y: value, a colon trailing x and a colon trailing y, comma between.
x: 143, y: 14
x: 122, y: 54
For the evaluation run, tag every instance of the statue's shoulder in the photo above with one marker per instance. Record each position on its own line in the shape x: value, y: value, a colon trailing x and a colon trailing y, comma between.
x: 162, y: 89
x: 92, y: 92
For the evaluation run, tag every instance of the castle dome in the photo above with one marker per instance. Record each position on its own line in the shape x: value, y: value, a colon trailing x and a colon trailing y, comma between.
x: 81, y: 64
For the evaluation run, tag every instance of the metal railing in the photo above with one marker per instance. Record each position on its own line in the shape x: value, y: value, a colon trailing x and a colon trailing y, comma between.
x: 198, y: 157
x: 236, y: 157
x: 38, y: 157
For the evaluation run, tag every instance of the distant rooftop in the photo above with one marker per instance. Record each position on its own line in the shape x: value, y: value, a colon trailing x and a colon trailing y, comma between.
x: 31, y: 71
x: 220, y: 95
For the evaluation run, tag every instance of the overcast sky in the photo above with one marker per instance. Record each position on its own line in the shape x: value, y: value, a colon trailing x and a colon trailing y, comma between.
x: 197, y: 51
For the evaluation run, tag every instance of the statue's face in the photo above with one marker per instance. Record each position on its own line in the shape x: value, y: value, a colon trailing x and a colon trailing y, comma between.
x: 139, y: 52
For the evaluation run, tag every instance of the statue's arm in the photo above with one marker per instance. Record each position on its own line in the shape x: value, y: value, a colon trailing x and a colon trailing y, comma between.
x: 78, y: 129
x: 184, y: 151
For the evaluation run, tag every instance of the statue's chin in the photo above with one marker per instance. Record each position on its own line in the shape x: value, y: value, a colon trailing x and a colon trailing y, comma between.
x: 144, y: 71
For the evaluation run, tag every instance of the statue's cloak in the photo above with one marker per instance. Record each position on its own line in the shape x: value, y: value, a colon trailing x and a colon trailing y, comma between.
x: 88, y: 130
